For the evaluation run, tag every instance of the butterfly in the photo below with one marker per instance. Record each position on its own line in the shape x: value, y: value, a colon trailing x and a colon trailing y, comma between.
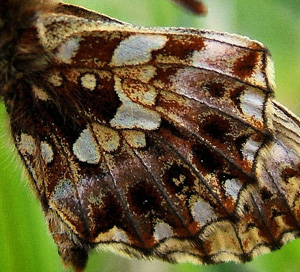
x: 156, y: 142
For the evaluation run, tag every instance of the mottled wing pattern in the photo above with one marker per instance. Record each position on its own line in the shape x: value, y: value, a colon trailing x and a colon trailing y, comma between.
x: 156, y: 142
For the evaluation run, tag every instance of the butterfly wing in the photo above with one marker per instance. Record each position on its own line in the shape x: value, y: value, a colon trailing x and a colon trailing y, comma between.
x: 154, y: 142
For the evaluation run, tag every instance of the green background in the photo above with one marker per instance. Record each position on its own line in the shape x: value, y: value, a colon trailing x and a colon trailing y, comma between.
x: 25, y: 244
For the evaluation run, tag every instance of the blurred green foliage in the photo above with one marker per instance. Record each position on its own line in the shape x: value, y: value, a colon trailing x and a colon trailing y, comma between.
x: 24, y: 242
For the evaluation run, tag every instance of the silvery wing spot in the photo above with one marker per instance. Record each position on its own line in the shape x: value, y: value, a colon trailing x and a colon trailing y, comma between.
x: 163, y: 143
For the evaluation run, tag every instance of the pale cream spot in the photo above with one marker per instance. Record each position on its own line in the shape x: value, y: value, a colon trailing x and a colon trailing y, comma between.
x: 146, y: 73
x: 162, y: 231
x: 89, y: 81
x: 203, y: 212
x: 149, y: 96
x: 257, y: 251
x: 173, y: 244
x: 27, y: 145
x: 289, y: 236
x: 137, y: 49
x: 39, y: 93
x: 108, y: 138
x: 67, y: 50
x: 136, y: 139
x: 280, y: 222
x: 292, y: 187
x: 222, y: 239
x: 252, y: 103
x: 225, y: 257
x: 250, y: 149
x: 114, y: 234
x: 55, y: 79
x: 233, y: 187
x: 132, y: 115
x: 85, y: 148
x: 182, y: 257
x: 120, y: 236
x: 250, y: 237
x: 47, y: 152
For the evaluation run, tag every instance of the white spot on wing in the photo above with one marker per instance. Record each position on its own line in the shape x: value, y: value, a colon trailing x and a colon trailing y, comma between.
x: 233, y: 187
x: 252, y: 103
x: 286, y: 237
x: 68, y: 49
x: 120, y: 236
x: 162, y: 230
x: 203, y: 212
x: 149, y: 97
x: 85, y: 148
x: 132, y: 115
x: 114, y: 234
x: 47, y: 152
x: 250, y: 148
x: 27, y: 144
x: 137, y: 49
x: 108, y: 138
x: 89, y: 81
x: 209, y: 56
x: 134, y: 138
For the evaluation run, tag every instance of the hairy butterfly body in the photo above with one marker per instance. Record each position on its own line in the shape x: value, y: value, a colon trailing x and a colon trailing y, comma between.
x: 154, y: 142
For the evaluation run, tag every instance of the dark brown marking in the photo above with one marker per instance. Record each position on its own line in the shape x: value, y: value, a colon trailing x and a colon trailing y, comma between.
x: 205, y: 159
x: 266, y: 195
x: 289, y: 172
x: 181, y: 46
x: 107, y: 208
x: 224, y: 176
x: 240, y: 142
x: 173, y: 130
x: 101, y: 47
x: 104, y: 95
x: 216, y: 127
x: 235, y: 97
x: 244, y: 66
x: 172, y: 178
x: 216, y: 89
x: 144, y: 198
